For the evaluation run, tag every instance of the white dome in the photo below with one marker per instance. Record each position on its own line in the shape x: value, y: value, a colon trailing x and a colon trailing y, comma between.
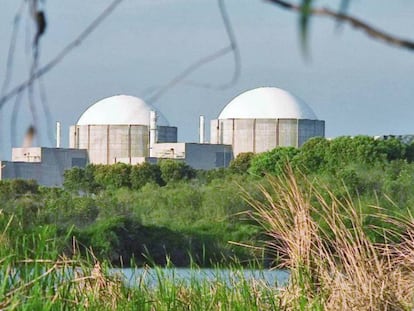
x: 267, y: 103
x: 119, y: 110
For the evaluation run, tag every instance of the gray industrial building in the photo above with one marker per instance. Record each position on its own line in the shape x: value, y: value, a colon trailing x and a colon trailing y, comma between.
x: 119, y: 127
x: 45, y: 165
x: 264, y: 118
x: 126, y: 129
x: 197, y: 155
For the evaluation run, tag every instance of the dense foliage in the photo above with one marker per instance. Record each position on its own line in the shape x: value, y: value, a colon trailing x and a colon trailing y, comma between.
x: 131, y: 214
x: 147, y: 213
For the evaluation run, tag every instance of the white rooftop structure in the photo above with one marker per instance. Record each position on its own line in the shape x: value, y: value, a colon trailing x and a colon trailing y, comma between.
x: 120, y: 110
x: 267, y: 103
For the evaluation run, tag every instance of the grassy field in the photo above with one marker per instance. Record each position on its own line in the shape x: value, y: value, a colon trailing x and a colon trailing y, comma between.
x: 320, y: 238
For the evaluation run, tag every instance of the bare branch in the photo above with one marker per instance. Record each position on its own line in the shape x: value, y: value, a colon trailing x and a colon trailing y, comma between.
x: 353, y: 21
x: 232, y: 47
x: 190, y: 69
x: 60, y: 56
x: 12, y: 47
x: 10, y: 59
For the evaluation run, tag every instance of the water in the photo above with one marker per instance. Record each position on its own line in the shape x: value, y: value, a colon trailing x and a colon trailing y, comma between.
x: 151, y: 276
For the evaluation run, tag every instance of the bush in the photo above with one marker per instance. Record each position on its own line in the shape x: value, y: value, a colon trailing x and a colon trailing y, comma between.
x: 241, y: 163
x: 172, y: 170
x: 144, y: 173
x: 272, y: 162
x: 14, y: 188
x: 113, y: 176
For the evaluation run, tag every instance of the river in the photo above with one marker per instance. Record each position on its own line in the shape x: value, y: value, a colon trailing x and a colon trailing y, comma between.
x: 151, y: 276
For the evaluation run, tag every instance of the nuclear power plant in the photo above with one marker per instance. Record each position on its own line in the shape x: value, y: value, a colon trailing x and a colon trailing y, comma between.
x: 126, y: 129
x: 265, y: 118
x: 120, y: 128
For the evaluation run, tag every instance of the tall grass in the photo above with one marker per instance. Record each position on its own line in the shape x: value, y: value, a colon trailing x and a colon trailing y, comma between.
x: 333, y: 263
x: 33, y: 276
x: 75, y: 285
x: 320, y: 238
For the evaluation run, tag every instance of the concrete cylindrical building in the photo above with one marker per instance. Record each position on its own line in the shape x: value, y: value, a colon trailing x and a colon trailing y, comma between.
x: 118, y: 127
x: 263, y: 118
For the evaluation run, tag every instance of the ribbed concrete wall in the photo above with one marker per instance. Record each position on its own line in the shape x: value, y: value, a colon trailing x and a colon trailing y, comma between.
x: 226, y: 132
x: 107, y: 143
x: 266, y: 134
x: 288, y: 132
x: 244, y: 128
x: 259, y: 135
x: 214, y: 131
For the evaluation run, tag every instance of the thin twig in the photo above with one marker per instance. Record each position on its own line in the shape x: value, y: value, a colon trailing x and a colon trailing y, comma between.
x: 235, y: 49
x: 60, y: 56
x: 12, y: 47
x: 190, y: 69
x: 232, y: 47
x: 10, y: 58
x: 353, y: 21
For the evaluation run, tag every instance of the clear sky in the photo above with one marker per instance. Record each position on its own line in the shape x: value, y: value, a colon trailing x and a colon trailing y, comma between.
x: 356, y: 84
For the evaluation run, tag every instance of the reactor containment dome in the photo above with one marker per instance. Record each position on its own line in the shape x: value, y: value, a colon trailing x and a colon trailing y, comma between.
x: 261, y: 119
x: 118, y: 127
x: 119, y: 110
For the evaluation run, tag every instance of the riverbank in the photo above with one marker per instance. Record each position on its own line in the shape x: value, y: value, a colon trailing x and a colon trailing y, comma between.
x: 331, y: 267
x: 55, y: 286
x: 344, y: 230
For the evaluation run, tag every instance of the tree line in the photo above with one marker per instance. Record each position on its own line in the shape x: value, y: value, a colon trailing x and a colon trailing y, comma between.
x: 150, y: 212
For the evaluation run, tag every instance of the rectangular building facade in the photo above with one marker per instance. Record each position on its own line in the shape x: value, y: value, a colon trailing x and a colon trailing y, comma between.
x: 198, y: 156
x: 45, y: 165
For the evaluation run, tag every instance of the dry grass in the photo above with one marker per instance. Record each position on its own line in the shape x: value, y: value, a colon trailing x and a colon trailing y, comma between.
x: 65, y: 283
x: 339, y: 267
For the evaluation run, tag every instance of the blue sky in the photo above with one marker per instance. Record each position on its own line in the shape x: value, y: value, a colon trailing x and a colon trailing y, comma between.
x: 356, y: 84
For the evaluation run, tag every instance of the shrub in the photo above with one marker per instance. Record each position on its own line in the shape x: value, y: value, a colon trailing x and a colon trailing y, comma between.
x: 241, y: 163
x: 144, y: 173
x: 272, y: 162
x: 172, y: 170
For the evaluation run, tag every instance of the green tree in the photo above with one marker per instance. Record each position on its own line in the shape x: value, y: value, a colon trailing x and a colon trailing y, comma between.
x: 313, y: 155
x: 409, y: 152
x: 393, y: 149
x: 113, y: 176
x: 144, y: 173
x: 74, y: 179
x: 273, y: 161
x: 172, y: 170
x: 241, y: 163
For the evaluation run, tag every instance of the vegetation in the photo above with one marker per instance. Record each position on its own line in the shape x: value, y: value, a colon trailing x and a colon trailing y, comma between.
x: 131, y: 215
x: 47, y: 281
x: 336, y: 266
x: 146, y: 213
x: 354, y: 237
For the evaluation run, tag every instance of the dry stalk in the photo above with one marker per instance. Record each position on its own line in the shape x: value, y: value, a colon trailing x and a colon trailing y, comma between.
x: 339, y: 267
